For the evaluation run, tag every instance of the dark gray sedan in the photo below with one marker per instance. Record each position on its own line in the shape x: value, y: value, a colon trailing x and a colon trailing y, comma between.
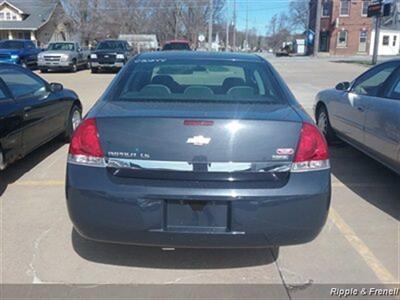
x: 365, y: 113
x: 191, y: 149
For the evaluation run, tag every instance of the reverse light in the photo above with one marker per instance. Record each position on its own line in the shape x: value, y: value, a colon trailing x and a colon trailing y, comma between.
x: 312, y: 151
x: 85, y: 148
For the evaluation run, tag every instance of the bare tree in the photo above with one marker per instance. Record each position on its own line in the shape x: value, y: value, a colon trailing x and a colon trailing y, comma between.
x: 278, y: 31
x: 299, y: 10
x: 97, y: 19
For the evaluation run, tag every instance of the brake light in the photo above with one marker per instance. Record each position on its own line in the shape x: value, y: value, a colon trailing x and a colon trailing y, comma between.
x: 312, y: 151
x: 85, y: 148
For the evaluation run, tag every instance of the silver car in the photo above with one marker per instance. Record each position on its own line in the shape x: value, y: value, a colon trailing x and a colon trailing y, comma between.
x: 365, y: 113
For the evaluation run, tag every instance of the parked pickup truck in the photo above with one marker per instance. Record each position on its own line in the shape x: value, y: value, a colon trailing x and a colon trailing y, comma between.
x: 110, y: 55
x: 63, y: 56
x: 19, y: 52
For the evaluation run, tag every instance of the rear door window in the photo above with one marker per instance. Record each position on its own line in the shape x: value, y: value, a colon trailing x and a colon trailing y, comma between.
x: 22, y: 84
x: 373, y: 82
x: 394, y: 89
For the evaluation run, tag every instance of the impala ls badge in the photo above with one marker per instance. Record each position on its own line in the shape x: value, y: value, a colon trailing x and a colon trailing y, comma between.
x: 198, y: 140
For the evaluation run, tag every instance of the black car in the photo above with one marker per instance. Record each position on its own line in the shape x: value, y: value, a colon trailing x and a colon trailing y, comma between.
x: 110, y: 55
x: 32, y: 112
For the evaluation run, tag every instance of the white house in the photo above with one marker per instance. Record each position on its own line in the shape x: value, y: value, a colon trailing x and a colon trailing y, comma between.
x: 389, y: 41
x: 38, y: 20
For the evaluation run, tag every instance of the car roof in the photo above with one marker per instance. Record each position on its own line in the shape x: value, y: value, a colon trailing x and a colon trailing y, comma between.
x: 177, y: 41
x: 112, y: 40
x: 17, y: 40
x: 232, y: 56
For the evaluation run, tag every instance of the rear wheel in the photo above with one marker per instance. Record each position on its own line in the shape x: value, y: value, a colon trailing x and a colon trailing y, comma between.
x: 74, y: 119
x: 43, y: 70
x: 324, y: 125
x: 2, y: 161
x: 95, y: 70
x: 74, y: 67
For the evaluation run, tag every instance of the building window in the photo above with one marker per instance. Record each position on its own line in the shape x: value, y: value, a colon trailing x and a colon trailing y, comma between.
x: 365, y: 5
x: 385, y: 41
x: 344, y: 7
x: 1, y: 16
x: 342, y: 39
x: 14, y: 16
x: 326, y: 8
x: 8, y: 16
x: 394, y: 40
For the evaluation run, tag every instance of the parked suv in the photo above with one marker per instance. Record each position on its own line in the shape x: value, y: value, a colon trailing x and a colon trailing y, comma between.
x: 19, y: 52
x: 64, y: 56
x: 111, y: 55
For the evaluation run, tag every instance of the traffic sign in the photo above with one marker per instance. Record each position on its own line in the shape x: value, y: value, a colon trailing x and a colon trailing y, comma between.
x: 374, y: 10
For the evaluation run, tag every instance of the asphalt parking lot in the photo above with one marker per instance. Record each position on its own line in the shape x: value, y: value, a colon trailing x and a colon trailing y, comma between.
x: 359, y: 244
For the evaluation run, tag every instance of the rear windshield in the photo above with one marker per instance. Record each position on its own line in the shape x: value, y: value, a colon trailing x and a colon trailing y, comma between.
x: 61, y: 47
x: 197, y: 81
x: 176, y: 46
x: 110, y: 45
x: 12, y: 45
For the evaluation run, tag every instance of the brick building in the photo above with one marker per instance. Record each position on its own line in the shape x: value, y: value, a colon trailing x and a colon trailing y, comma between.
x: 345, y: 27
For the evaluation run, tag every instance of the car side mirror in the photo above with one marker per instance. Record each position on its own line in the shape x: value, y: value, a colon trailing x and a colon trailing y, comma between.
x: 56, y: 87
x: 343, y: 86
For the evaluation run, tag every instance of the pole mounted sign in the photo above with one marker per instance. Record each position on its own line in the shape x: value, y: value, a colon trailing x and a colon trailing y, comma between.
x: 374, y: 9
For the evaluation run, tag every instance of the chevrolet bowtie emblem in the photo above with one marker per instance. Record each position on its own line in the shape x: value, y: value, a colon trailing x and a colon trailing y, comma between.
x: 198, y: 140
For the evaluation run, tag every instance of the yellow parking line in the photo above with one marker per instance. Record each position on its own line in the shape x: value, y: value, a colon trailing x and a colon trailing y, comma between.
x: 361, y: 185
x: 362, y: 249
x: 40, y: 183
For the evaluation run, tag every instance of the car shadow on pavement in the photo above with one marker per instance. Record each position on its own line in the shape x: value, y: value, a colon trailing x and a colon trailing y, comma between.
x: 369, y: 179
x: 154, y: 257
x: 17, y: 169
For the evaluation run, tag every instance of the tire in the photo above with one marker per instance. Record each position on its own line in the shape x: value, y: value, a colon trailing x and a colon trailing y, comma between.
x: 3, y: 165
x: 324, y: 125
x: 74, y: 67
x: 43, y: 70
x: 72, y: 124
x: 95, y: 70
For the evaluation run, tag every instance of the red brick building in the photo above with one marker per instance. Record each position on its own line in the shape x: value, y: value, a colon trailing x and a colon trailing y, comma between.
x: 345, y: 27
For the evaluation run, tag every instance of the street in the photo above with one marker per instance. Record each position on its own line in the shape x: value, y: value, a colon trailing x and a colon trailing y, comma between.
x: 360, y: 242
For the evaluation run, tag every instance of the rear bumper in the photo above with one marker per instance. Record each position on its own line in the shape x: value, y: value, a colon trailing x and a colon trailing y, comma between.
x: 131, y: 211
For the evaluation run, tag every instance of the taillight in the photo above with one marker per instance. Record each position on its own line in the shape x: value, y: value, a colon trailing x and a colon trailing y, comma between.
x: 312, y: 151
x: 85, y: 148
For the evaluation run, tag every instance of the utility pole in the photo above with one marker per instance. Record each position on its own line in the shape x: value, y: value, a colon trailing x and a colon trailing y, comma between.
x: 227, y: 28
x: 247, y: 24
x: 210, y: 25
x: 234, y: 26
x: 317, y: 28
x: 378, y: 19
